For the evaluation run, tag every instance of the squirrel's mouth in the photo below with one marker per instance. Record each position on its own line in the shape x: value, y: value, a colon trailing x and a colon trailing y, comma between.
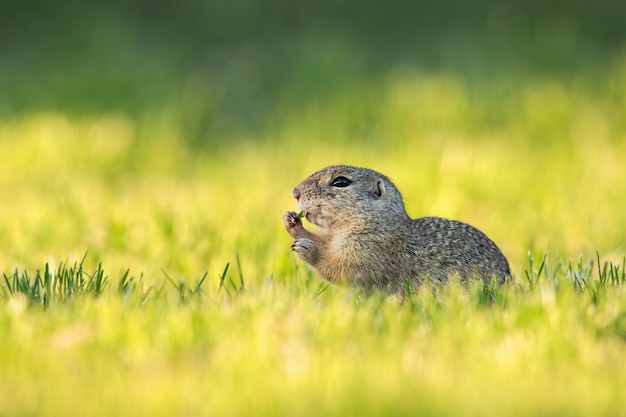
x: 311, y: 217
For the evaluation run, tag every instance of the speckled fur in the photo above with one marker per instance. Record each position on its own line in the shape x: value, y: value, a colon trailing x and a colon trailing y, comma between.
x: 366, y: 238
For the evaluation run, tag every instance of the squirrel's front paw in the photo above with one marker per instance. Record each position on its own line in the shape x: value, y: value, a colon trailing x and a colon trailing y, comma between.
x: 306, y: 249
x: 293, y: 224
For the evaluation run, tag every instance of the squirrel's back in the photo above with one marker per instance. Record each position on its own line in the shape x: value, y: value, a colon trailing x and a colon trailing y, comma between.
x: 443, y: 247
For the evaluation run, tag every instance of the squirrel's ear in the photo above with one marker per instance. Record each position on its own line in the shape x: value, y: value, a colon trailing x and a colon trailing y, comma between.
x: 379, y: 189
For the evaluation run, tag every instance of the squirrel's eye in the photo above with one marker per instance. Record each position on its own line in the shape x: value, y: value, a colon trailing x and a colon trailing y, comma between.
x: 340, y: 182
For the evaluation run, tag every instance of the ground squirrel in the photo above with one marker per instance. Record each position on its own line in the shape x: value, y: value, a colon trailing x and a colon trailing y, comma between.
x: 367, y: 239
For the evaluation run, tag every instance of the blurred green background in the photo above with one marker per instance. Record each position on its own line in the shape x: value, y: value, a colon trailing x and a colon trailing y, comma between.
x: 227, y: 66
x: 116, y: 117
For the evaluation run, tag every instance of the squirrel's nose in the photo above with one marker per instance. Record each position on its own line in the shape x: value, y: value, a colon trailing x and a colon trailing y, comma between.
x: 295, y: 193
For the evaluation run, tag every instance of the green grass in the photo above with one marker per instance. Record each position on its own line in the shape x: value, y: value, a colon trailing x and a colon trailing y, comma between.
x: 79, y: 342
x: 144, y: 265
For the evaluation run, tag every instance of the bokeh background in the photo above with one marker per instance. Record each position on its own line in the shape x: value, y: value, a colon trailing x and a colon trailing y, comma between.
x: 169, y: 134
x: 238, y: 66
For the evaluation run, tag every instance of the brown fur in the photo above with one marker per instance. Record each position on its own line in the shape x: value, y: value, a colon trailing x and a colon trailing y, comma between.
x: 366, y: 238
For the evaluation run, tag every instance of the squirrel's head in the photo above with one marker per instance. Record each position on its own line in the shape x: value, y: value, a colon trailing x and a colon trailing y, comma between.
x: 344, y: 195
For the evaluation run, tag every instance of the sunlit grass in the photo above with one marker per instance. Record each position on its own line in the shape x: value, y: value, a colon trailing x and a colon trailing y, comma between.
x: 142, y: 276
x: 550, y: 346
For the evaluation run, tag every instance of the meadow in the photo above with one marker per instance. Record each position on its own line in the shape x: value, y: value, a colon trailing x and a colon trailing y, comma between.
x: 146, y: 270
